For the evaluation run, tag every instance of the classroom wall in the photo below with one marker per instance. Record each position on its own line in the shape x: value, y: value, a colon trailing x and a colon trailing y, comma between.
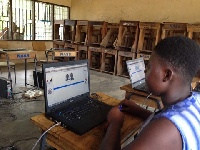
x: 58, y: 2
x: 186, y: 11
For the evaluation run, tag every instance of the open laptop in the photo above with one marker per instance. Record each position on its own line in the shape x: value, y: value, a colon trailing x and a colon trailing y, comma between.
x: 67, y: 96
x: 136, y: 69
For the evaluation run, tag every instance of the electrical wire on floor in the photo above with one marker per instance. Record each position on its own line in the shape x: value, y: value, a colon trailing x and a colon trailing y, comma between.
x: 57, y: 124
x: 14, y: 143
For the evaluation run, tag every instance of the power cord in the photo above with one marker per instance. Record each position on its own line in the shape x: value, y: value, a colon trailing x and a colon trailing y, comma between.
x: 57, y: 124
x: 146, y: 99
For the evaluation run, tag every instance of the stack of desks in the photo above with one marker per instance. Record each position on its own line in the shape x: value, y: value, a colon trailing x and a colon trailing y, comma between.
x: 96, y: 32
x: 70, y: 32
x: 81, y: 39
x: 170, y: 29
x: 58, y: 41
x: 149, y: 37
x: 61, y: 138
x: 109, y: 52
x: 126, y: 44
x: 193, y: 31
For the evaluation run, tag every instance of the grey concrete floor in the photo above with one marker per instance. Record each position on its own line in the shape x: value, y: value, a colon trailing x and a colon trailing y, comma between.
x: 16, y: 129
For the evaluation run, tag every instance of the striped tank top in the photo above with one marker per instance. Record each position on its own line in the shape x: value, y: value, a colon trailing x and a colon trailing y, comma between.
x: 186, y: 117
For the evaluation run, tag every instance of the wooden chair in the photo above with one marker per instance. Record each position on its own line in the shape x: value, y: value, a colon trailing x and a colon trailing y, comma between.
x: 12, y: 65
x: 172, y: 29
x: 193, y: 31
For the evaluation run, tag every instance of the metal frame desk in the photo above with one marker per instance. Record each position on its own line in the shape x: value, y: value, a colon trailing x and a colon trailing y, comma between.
x: 18, y: 55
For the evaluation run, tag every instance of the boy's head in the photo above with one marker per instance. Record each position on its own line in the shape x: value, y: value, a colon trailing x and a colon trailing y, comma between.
x: 182, y: 53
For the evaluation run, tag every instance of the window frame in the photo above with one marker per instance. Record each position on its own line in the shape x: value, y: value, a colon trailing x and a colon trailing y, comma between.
x: 33, y: 21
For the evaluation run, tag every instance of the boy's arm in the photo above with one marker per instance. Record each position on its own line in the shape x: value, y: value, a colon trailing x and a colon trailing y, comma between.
x: 158, y: 134
x: 134, y: 109
x: 115, y: 121
x: 111, y: 140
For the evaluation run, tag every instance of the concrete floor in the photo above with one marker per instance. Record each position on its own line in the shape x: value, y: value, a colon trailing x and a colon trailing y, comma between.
x: 16, y: 130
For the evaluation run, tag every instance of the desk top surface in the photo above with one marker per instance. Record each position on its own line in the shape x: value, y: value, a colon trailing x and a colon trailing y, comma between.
x: 24, y: 54
x: 91, y: 139
x: 129, y: 88
x: 16, y: 51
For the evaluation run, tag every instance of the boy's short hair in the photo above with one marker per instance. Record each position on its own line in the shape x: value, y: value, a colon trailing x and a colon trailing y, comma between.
x: 182, y: 53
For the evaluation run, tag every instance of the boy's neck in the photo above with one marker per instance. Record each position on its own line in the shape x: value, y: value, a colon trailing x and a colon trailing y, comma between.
x: 173, y: 97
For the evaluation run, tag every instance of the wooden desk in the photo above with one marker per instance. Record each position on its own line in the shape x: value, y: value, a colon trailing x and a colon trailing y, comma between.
x: 62, y: 53
x: 195, y: 81
x: 139, y: 97
x: 61, y: 138
x: 16, y: 55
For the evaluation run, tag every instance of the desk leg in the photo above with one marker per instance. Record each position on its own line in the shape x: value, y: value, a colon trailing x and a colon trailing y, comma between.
x: 47, y: 55
x: 9, y: 76
x: 43, y: 142
x: 8, y: 63
x: 35, y: 61
x: 25, y: 71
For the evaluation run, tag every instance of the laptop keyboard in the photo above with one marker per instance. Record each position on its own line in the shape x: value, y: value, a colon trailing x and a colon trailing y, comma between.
x: 80, y: 109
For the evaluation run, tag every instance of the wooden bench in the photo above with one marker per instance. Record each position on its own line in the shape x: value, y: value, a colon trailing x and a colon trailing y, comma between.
x: 12, y: 65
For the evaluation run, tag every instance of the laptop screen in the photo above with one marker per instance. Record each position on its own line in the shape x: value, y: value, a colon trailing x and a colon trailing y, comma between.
x: 136, y: 69
x: 64, y: 81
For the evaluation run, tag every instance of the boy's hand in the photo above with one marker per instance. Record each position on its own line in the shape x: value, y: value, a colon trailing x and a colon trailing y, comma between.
x: 127, y: 106
x: 115, y: 116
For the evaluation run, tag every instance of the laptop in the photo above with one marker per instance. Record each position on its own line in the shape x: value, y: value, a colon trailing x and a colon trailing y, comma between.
x: 67, y: 96
x: 136, y: 69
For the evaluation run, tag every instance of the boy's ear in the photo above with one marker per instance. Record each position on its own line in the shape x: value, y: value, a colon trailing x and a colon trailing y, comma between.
x: 167, y: 75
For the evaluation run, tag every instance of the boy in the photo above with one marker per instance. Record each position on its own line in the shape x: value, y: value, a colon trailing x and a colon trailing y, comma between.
x: 172, y: 66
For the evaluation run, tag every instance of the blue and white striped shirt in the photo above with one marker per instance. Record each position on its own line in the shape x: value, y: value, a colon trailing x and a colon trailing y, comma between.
x: 186, y: 117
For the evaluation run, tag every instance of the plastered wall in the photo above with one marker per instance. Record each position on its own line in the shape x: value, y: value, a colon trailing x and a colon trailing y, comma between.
x: 186, y: 11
